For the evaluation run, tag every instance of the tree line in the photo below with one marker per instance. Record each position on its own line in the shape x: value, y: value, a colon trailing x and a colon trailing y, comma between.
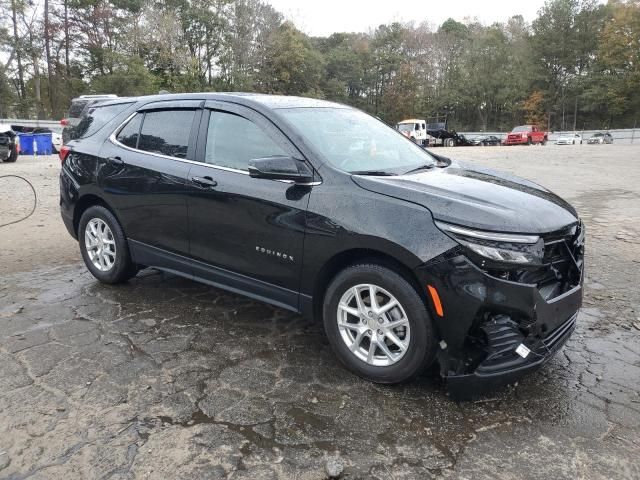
x: 577, y: 65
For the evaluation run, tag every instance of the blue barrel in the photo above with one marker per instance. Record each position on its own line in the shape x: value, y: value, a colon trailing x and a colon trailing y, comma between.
x: 44, y: 143
x: 26, y: 143
x: 35, y: 143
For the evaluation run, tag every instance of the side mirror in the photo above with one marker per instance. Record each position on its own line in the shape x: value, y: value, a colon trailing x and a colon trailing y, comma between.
x: 281, y: 168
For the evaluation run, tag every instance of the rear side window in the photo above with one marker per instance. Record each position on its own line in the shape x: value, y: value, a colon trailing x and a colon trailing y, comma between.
x: 233, y: 140
x: 129, y: 134
x: 96, y: 118
x: 166, y: 132
x: 77, y: 106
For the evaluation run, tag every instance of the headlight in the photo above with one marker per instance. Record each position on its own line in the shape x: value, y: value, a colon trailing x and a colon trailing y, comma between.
x: 494, y: 247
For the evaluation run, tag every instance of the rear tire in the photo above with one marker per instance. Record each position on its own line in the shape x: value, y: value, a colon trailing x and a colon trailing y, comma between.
x: 364, y: 327
x: 104, y: 247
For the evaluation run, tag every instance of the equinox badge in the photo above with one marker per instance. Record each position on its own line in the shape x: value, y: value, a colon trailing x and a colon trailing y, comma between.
x: 274, y: 253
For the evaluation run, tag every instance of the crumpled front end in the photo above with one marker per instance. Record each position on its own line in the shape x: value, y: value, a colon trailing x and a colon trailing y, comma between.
x: 497, y: 325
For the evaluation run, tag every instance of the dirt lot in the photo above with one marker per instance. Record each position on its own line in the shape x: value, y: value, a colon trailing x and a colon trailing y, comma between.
x: 166, y: 378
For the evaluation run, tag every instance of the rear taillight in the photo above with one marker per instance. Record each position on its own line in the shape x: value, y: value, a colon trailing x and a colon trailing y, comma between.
x: 64, y: 153
x: 64, y: 122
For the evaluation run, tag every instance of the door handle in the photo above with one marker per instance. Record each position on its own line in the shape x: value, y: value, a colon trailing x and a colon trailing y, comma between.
x: 115, y: 160
x: 205, y: 182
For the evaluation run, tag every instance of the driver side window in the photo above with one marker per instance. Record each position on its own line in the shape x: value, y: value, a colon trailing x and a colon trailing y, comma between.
x: 233, y: 140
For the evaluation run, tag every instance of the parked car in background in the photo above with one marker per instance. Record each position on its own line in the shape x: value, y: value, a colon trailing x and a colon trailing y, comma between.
x: 486, y: 140
x: 79, y: 106
x: 526, y: 135
x: 56, y: 139
x: 9, y: 144
x: 600, y: 138
x: 56, y: 136
x: 569, y: 139
x: 431, y: 258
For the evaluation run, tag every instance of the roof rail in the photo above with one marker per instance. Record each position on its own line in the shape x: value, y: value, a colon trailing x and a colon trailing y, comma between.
x: 99, y: 96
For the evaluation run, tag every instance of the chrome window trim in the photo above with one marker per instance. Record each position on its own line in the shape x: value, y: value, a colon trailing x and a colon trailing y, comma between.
x: 113, y: 139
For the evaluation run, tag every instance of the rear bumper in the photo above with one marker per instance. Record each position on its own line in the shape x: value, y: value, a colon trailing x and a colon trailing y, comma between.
x: 68, y: 194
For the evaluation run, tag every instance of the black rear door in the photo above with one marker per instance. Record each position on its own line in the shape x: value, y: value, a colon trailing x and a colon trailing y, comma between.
x: 144, y: 176
x: 245, y: 233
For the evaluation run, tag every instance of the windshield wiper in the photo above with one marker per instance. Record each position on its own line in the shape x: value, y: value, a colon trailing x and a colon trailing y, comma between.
x: 380, y: 173
x: 426, y: 166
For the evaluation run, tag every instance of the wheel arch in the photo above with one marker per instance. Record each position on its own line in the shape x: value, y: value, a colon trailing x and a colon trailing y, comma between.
x: 354, y: 256
x: 86, y: 201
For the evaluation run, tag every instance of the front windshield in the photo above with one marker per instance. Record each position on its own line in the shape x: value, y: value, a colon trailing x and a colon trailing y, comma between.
x: 599, y: 135
x: 405, y: 127
x: 353, y: 141
x: 521, y: 129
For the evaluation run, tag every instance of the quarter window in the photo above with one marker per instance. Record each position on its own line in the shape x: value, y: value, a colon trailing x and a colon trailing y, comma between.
x: 233, y: 140
x: 96, y: 118
x: 129, y: 134
x: 166, y: 132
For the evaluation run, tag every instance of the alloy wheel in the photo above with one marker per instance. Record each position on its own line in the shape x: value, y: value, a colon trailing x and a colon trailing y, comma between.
x: 100, y: 244
x: 373, y: 325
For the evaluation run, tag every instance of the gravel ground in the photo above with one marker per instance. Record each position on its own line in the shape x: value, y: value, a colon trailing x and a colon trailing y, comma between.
x: 166, y: 378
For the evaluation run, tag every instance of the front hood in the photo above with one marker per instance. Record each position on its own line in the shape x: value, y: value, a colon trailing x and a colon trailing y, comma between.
x: 479, y: 198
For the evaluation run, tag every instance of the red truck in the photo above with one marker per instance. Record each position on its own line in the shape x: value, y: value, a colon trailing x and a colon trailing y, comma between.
x: 526, y: 135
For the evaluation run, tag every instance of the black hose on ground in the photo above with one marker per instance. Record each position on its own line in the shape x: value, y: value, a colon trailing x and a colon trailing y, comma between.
x: 35, y: 200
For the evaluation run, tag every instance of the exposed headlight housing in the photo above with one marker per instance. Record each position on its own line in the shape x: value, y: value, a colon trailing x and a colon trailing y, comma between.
x: 491, y: 248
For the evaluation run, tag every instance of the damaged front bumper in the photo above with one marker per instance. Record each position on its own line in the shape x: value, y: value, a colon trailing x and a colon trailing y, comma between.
x: 497, y: 326
x: 504, y: 365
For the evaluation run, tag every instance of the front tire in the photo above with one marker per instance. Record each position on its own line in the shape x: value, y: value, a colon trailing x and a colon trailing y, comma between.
x: 13, y: 156
x: 104, y: 247
x: 388, y: 340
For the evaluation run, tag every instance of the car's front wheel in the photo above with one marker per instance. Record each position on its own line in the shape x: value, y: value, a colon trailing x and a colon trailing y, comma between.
x: 378, y: 325
x: 13, y: 156
x: 104, y: 247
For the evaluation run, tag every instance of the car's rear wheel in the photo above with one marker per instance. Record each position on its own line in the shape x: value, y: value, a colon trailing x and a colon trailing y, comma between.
x: 378, y: 325
x: 104, y: 247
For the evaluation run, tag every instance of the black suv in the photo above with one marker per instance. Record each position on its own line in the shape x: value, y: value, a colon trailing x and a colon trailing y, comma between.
x: 321, y: 209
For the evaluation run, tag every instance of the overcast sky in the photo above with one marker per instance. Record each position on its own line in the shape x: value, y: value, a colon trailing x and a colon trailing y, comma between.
x: 323, y: 17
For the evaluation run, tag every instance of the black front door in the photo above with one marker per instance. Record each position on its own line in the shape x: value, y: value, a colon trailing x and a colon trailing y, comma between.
x: 246, y: 233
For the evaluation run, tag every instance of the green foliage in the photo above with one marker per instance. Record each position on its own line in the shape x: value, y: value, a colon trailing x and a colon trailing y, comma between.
x: 129, y: 77
x: 577, y: 64
x: 291, y: 66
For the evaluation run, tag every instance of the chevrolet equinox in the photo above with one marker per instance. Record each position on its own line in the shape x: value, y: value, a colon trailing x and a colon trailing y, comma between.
x: 406, y: 256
